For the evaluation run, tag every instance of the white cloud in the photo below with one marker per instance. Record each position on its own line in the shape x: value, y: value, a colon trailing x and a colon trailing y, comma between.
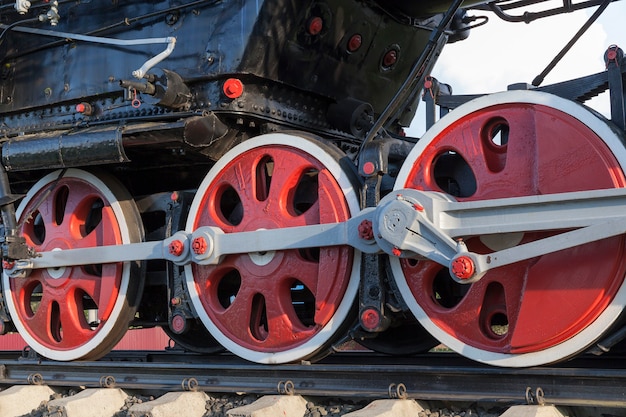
x: 502, y: 53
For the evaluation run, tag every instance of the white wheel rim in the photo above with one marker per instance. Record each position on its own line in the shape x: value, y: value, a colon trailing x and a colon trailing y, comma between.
x: 342, y: 311
x: 98, y: 338
x: 606, y: 319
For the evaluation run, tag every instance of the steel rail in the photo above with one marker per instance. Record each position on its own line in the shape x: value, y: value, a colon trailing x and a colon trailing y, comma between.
x: 431, y: 377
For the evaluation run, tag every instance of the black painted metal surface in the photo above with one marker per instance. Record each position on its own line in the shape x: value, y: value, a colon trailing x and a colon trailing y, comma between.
x: 584, y: 382
x: 284, y: 51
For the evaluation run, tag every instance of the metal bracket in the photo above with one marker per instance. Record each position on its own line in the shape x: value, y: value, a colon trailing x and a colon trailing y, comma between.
x: 286, y: 388
x: 189, y: 384
x: 613, y: 58
x: 424, y: 225
x: 397, y: 391
x: 535, y: 397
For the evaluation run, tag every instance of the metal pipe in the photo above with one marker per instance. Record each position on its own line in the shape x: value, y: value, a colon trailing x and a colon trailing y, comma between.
x: 7, y: 210
x: 139, y: 73
x: 99, y: 146
x: 417, y: 71
x: 539, y: 78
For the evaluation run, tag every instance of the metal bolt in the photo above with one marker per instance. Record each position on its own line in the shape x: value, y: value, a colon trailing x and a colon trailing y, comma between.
x: 171, y: 19
x: 199, y: 245
x: 463, y: 267
x: 370, y: 319
x: 396, y: 251
x: 176, y: 247
x: 178, y: 324
x: 366, y: 231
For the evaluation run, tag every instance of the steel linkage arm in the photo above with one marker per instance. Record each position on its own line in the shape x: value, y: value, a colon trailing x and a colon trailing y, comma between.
x: 422, y: 224
x: 408, y: 223
x: 208, y: 245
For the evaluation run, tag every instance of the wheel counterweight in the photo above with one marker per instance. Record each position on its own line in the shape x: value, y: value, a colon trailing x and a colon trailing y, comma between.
x: 275, y: 306
x: 544, y: 309
x: 75, y: 312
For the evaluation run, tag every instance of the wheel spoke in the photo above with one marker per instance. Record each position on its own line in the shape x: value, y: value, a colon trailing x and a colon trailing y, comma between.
x: 286, y: 174
x: 283, y: 322
x: 302, y: 266
x: 237, y: 317
x: 72, y: 321
x: 495, y: 164
x: 41, y: 322
x: 102, y: 233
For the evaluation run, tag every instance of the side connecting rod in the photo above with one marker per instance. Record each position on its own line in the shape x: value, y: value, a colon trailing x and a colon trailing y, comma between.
x: 409, y: 224
x: 207, y: 245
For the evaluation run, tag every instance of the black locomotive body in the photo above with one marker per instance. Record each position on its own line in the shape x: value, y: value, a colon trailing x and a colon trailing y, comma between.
x: 310, y: 66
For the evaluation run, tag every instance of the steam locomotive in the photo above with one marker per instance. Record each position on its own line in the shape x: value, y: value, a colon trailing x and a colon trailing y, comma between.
x: 237, y: 173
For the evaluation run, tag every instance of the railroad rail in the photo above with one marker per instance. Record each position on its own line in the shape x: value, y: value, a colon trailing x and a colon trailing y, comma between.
x: 587, y: 381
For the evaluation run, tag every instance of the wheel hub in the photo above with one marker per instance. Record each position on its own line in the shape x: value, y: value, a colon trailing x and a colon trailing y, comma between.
x: 56, y: 273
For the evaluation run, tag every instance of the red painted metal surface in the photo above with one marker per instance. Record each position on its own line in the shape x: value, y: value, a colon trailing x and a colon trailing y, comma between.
x: 535, y: 304
x: 273, y: 301
x: 135, y: 339
x: 64, y: 308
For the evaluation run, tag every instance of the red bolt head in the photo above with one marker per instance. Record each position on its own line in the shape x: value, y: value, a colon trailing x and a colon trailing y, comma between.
x: 84, y: 108
x: 199, y: 245
x: 179, y: 324
x: 233, y: 88
x: 396, y: 251
x: 354, y: 43
x: 463, y: 267
x: 366, y: 231
x: 390, y: 58
x: 369, y: 167
x: 316, y: 24
x: 176, y: 247
x: 8, y: 264
x: 370, y: 319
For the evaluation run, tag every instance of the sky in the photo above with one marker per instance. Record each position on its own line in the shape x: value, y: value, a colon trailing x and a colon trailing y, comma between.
x: 502, y: 53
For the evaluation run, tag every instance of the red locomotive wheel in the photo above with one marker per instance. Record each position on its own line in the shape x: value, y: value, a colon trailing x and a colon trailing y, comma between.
x: 275, y: 307
x: 76, y: 312
x: 544, y: 309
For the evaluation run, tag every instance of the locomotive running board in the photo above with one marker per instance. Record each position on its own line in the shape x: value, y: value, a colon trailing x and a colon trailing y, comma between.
x: 408, y: 224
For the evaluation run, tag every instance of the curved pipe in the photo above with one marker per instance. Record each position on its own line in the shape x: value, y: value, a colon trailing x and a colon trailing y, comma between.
x: 139, y: 73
